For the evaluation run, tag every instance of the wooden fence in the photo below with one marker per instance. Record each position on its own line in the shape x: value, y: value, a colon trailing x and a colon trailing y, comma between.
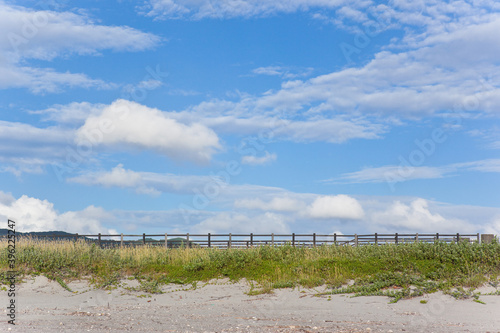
x: 251, y: 240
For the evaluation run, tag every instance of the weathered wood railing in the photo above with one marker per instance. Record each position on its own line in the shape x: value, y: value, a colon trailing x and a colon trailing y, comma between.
x: 251, y: 240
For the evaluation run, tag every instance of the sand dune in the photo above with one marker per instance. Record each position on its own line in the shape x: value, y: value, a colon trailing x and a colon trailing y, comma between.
x: 221, y: 306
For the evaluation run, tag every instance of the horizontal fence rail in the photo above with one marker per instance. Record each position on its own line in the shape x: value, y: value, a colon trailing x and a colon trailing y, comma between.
x: 251, y: 240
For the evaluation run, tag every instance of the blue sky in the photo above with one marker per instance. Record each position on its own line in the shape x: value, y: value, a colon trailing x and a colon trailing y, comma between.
x: 250, y: 116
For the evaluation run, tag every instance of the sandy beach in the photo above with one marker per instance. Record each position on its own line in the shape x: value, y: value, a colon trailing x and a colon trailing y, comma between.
x: 221, y: 306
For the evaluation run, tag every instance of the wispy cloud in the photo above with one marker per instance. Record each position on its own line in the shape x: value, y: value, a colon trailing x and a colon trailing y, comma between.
x: 74, y: 113
x: 45, y: 35
x: 490, y: 137
x: 430, y: 70
x: 143, y: 182
x: 26, y: 148
x: 167, y: 9
x: 259, y: 160
x: 402, y: 173
x: 282, y: 71
x: 277, y: 203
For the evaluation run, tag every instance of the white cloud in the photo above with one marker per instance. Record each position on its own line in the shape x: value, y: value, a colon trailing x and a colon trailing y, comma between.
x: 45, y: 35
x: 417, y: 217
x: 335, y: 130
x: 336, y: 207
x: 255, y: 160
x: 490, y: 165
x: 493, y: 227
x: 32, y: 214
x: 232, y: 8
x: 352, y: 14
x: 140, y: 88
x: 445, y: 71
x: 269, y: 70
x: 401, y: 173
x: 281, y: 204
x: 42, y: 80
x: 145, y: 182
x: 250, y: 116
x: 129, y: 124
x: 25, y: 148
x: 490, y: 136
x: 74, y: 113
x: 393, y: 173
x: 284, y: 72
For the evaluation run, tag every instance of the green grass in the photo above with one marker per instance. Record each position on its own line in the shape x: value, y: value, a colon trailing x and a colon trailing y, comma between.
x: 398, y: 271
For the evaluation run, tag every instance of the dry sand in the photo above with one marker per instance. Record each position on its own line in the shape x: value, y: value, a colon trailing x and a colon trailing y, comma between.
x: 220, y: 306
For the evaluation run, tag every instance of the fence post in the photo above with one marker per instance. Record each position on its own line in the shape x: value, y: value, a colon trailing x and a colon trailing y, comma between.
x: 143, y: 239
x: 229, y: 242
x: 272, y: 239
x: 437, y: 235
x: 293, y: 239
x: 99, y: 239
x: 458, y: 237
x: 166, y: 241
x: 416, y: 237
x: 209, y: 240
x: 76, y: 237
x: 356, y: 240
x: 314, y: 240
x: 396, y: 238
x: 121, y: 240
x: 187, y: 240
x: 251, y: 239
x: 376, y: 239
x: 478, y: 238
x: 335, y: 238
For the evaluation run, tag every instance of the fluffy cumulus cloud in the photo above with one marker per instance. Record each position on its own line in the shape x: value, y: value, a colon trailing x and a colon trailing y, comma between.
x: 129, y: 124
x: 493, y: 227
x: 335, y: 207
x: 32, y: 214
x: 47, y: 34
x: 417, y: 216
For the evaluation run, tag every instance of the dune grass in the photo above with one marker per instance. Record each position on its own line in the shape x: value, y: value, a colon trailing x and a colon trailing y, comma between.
x: 399, y: 271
